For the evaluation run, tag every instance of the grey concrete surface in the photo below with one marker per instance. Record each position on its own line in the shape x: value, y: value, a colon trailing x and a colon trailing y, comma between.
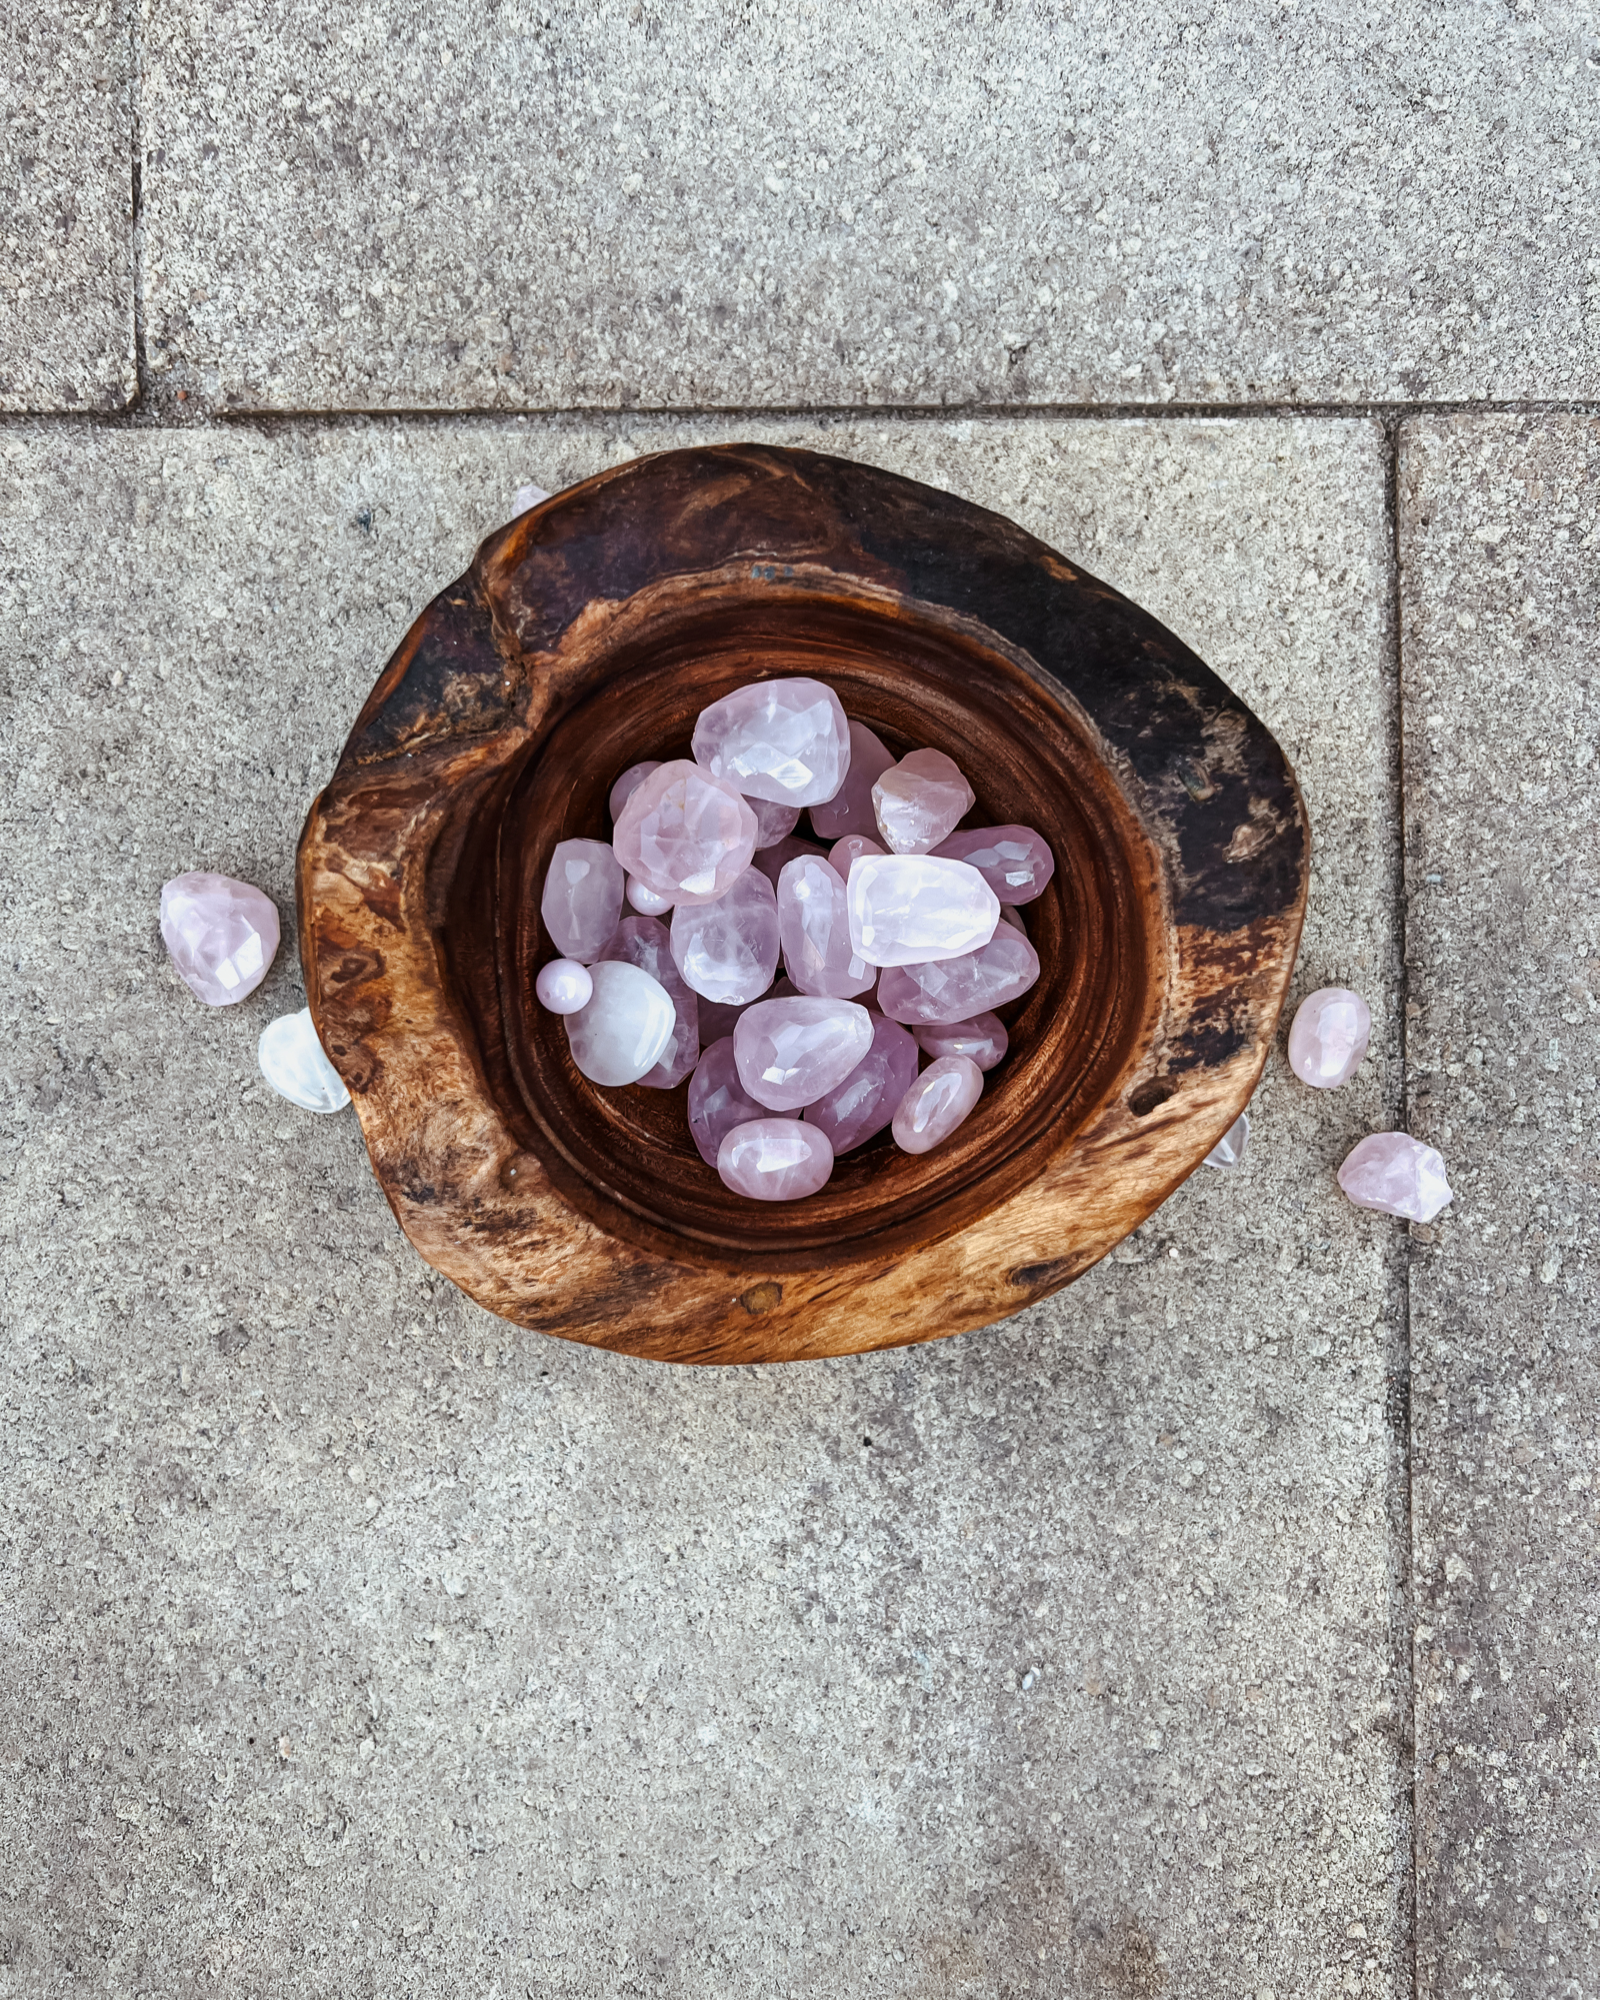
x: 66, y: 182
x: 1500, y: 525
x: 355, y: 1642
x: 500, y: 206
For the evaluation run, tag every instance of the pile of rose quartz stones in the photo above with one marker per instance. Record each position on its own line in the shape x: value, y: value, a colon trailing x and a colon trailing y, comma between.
x: 897, y: 940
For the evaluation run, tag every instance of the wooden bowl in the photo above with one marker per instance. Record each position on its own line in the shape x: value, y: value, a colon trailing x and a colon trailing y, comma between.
x: 588, y: 635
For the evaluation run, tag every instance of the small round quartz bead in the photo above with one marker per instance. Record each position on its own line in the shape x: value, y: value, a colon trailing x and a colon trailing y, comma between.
x: 775, y: 1159
x: 858, y: 1109
x: 814, y: 931
x: 222, y: 935
x: 918, y: 801
x: 582, y: 898
x: 982, y: 1040
x: 625, y: 1028
x: 728, y: 950
x: 851, y: 848
x: 791, y: 1052
x: 293, y: 1061
x: 563, y: 986
x: 643, y: 898
x: 910, y: 909
x: 1329, y: 1037
x: 936, y: 1103
x: 1396, y: 1175
x: 850, y: 809
x: 718, y: 1100
x: 783, y: 740
x: 1229, y: 1151
x: 954, y: 989
x: 646, y: 943
x: 629, y: 783
x: 685, y: 834
x: 1015, y: 861
x: 773, y: 822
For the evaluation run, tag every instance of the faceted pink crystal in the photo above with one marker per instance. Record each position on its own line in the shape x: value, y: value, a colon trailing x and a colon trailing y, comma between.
x: 1396, y: 1175
x: 1015, y: 861
x: 775, y: 1159
x: 582, y: 898
x: 957, y: 988
x: 1329, y: 1037
x: 936, y: 1103
x: 629, y: 783
x: 685, y: 834
x: 982, y: 1040
x: 773, y: 823
x: 909, y: 909
x: 791, y: 1052
x: 773, y: 860
x: 853, y: 1111
x: 728, y: 950
x: 222, y: 935
x: 718, y: 1100
x: 918, y: 801
x: 814, y: 932
x: 850, y: 808
x: 851, y: 848
x: 784, y: 740
x: 646, y: 942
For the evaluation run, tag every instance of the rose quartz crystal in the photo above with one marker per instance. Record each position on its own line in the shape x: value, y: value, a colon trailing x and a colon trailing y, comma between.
x: 814, y: 932
x: 685, y: 834
x: 910, y: 909
x: 851, y: 848
x: 936, y: 1103
x: 222, y: 935
x: 1396, y: 1175
x: 563, y: 986
x: 718, y: 1100
x: 850, y: 808
x: 582, y: 898
x: 1015, y: 861
x: 982, y: 1040
x: 918, y: 801
x: 791, y: 1052
x: 1329, y: 1037
x: 853, y: 1111
x: 773, y: 860
x: 773, y: 823
x: 629, y: 783
x: 783, y: 740
x: 625, y: 1028
x: 957, y: 988
x: 728, y: 950
x: 775, y: 1159
x: 646, y: 943
x: 1229, y: 1151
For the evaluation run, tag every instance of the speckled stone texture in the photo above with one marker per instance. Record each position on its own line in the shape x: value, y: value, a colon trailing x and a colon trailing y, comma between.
x: 354, y: 1642
x: 1500, y: 522
x: 710, y: 205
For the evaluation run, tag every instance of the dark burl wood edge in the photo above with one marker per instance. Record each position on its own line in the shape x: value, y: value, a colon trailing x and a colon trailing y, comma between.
x: 1220, y: 862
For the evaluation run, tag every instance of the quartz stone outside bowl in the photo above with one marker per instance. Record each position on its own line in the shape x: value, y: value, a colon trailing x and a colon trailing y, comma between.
x: 588, y: 635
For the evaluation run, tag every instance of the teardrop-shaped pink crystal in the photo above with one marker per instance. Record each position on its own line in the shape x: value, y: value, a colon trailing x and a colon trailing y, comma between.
x: 222, y: 935
x: 814, y: 931
x: 718, y: 1100
x: 728, y: 950
x: 919, y: 801
x: 982, y: 1040
x: 784, y: 740
x: 582, y: 898
x: 1015, y: 861
x: 850, y: 808
x: 685, y: 834
x: 855, y: 1110
x: 936, y: 1103
x: 775, y: 1159
x: 957, y: 988
x: 791, y: 1052
x: 646, y: 942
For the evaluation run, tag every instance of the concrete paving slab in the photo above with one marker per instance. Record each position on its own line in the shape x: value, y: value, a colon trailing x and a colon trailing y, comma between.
x: 66, y: 176
x: 359, y: 1640
x: 714, y: 205
x: 1500, y: 520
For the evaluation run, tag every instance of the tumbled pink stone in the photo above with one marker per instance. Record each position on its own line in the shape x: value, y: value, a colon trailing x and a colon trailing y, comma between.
x: 773, y: 823
x: 851, y: 848
x: 982, y: 1040
x: 908, y: 909
x: 773, y: 860
x: 647, y: 943
x: 853, y: 1111
x: 918, y: 801
x: 814, y: 932
x: 1329, y: 1037
x: 629, y: 783
x: 582, y: 898
x: 1396, y: 1175
x: 1015, y: 861
x: 718, y: 1100
x: 791, y: 1052
x: 775, y: 1159
x: 728, y: 950
x: 850, y: 808
x: 955, y: 989
x: 222, y: 935
x: 784, y: 740
x: 936, y: 1103
x: 685, y: 834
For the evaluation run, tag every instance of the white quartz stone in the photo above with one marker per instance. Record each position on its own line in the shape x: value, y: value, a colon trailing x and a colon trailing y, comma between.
x: 293, y: 1062
x: 914, y: 909
x: 625, y: 1028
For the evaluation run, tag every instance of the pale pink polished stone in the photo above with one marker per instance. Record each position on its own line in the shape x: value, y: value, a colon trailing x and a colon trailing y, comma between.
x: 1015, y: 861
x: 1329, y: 1037
x: 629, y: 783
x: 563, y: 986
x: 685, y: 834
x: 855, y: 1110
x: 1229, y: 1151
x: 728, y: 950
x: 982, y: 1040
x: 936, y: 1103
x: 773, y: 823
x: 851, y: 848
x: 910, y: 909
x: 644, y: 899
x: 850, y: 808
x: 773, y: 860
x: 814, y: 932
x: 718, y: 1100
x: 582, y: 898
x: 646, y: 943
x: 957, y: 988
x: 918, y: 801
x: 791, y: 1052
x: 775, y: 1159
x: 624, y: 1030
x: 222, y: 935
x: 1396, y: 1175
x: 784, y: 740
